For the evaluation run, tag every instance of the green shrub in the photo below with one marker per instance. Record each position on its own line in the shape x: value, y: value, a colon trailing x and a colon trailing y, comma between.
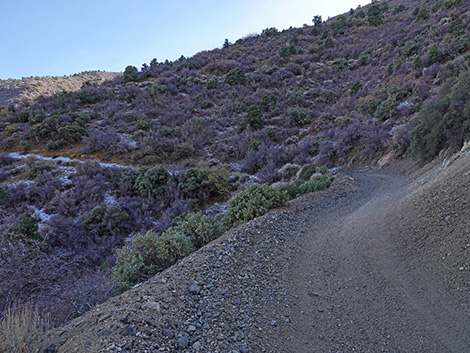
x: 236, y: 77
x: 296, y: 97
x: 329, y: 42
x: 272, y: 69
x: 320, y: 50
x: 61, y: 129
x: 317, y: 21
x: 268, y: 32
x: 72, y: 132
x: 105, y: 220
x: 298, y: 116
x: 318, y: 183
x: 434, y: 55
x: 272, y: 134
x: 31, y: 116
x: 303, y: 184
x: 328, y: 96
x: 365, y: 56
x: 341, y: 64
x: 418, y: 63
x: 387, y: 109
x: 28, y: 227
x: 152, y: 181
x: 253, y: 119
x: 219, y: 180
x: 158, y: 89
x: 202, y: 102
x: 10, y: 130
x: 360, y: 14
x: 25, y: 146
x: 4, y: 197
x: 192, y: 180
x: 398, y: 9
x: 340, y: 25
x: 201, y: 184
x: 147, y: 254
x: 131, y: 73
x: 287, y: 51
x: 444, y: 122
x: 199, y: 228
x: 375, y: 15
x: 423, y: 14
x: 254, y: 201
x: 460, y: 43
x: 294, y: 39
x: 87, y: 97
x: 268, y: 102
x: 290, y: 189
x: 384, y: 6
x: 212, y: 83
x: 367, y: 105
x: 410, y: 48
x: 54, y: 145
x: 448, y: 4
x: 254, y: 145
x: 356, y: 87
x: 142, y: 124
x: 308, y: 170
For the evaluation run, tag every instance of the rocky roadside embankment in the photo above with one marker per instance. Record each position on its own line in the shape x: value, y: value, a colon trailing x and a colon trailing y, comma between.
x: 229, y: 296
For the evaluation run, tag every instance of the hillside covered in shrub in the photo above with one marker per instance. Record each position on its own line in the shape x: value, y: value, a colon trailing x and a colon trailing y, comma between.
x: 183, y: 137
x: 342, y: 88
x: 15, y: 91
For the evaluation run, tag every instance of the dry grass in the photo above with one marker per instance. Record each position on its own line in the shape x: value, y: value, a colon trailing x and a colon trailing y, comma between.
x: 29, y: 88
x: 22, y: 331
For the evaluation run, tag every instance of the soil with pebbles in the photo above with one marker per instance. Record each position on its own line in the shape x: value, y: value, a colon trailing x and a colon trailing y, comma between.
x: 377, y: 263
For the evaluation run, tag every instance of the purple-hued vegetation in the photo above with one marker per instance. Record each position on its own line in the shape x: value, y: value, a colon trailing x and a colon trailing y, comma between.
x: 339, y: 91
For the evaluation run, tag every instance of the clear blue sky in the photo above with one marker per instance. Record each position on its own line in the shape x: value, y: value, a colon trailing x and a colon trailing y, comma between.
x: 51, y: 37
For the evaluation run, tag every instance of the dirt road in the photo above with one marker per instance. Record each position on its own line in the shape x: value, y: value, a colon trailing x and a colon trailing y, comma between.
x: 359, y: 291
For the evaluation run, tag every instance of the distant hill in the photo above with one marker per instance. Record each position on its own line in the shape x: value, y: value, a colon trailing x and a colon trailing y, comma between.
x: 13, y: 91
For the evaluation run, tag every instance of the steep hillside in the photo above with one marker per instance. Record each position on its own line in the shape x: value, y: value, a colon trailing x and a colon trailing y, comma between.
x: 105, y: 186
x: 14, y: 91
x: 340, y: 90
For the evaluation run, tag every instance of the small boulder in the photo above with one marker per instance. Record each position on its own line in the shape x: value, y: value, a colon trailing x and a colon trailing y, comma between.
x: 194, y: 289
x: 152, y: 305
x: 129, y: 330
x: 182, y: 342
x: 51, y: 348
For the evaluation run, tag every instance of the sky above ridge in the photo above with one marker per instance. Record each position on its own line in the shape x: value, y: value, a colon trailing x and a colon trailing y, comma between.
x: 56, y: 38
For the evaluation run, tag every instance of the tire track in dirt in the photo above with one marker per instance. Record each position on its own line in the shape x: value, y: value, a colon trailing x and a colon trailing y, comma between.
x: 355, y: 290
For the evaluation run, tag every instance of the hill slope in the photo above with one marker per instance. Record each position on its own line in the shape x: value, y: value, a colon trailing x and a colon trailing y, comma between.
x: 14, y: 91
x: 365, y: 266
x: 340, y: 90
x: 378, y: 84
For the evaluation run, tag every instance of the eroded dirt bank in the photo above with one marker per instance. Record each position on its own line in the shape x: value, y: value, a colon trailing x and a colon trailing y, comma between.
x: 355, y: 268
